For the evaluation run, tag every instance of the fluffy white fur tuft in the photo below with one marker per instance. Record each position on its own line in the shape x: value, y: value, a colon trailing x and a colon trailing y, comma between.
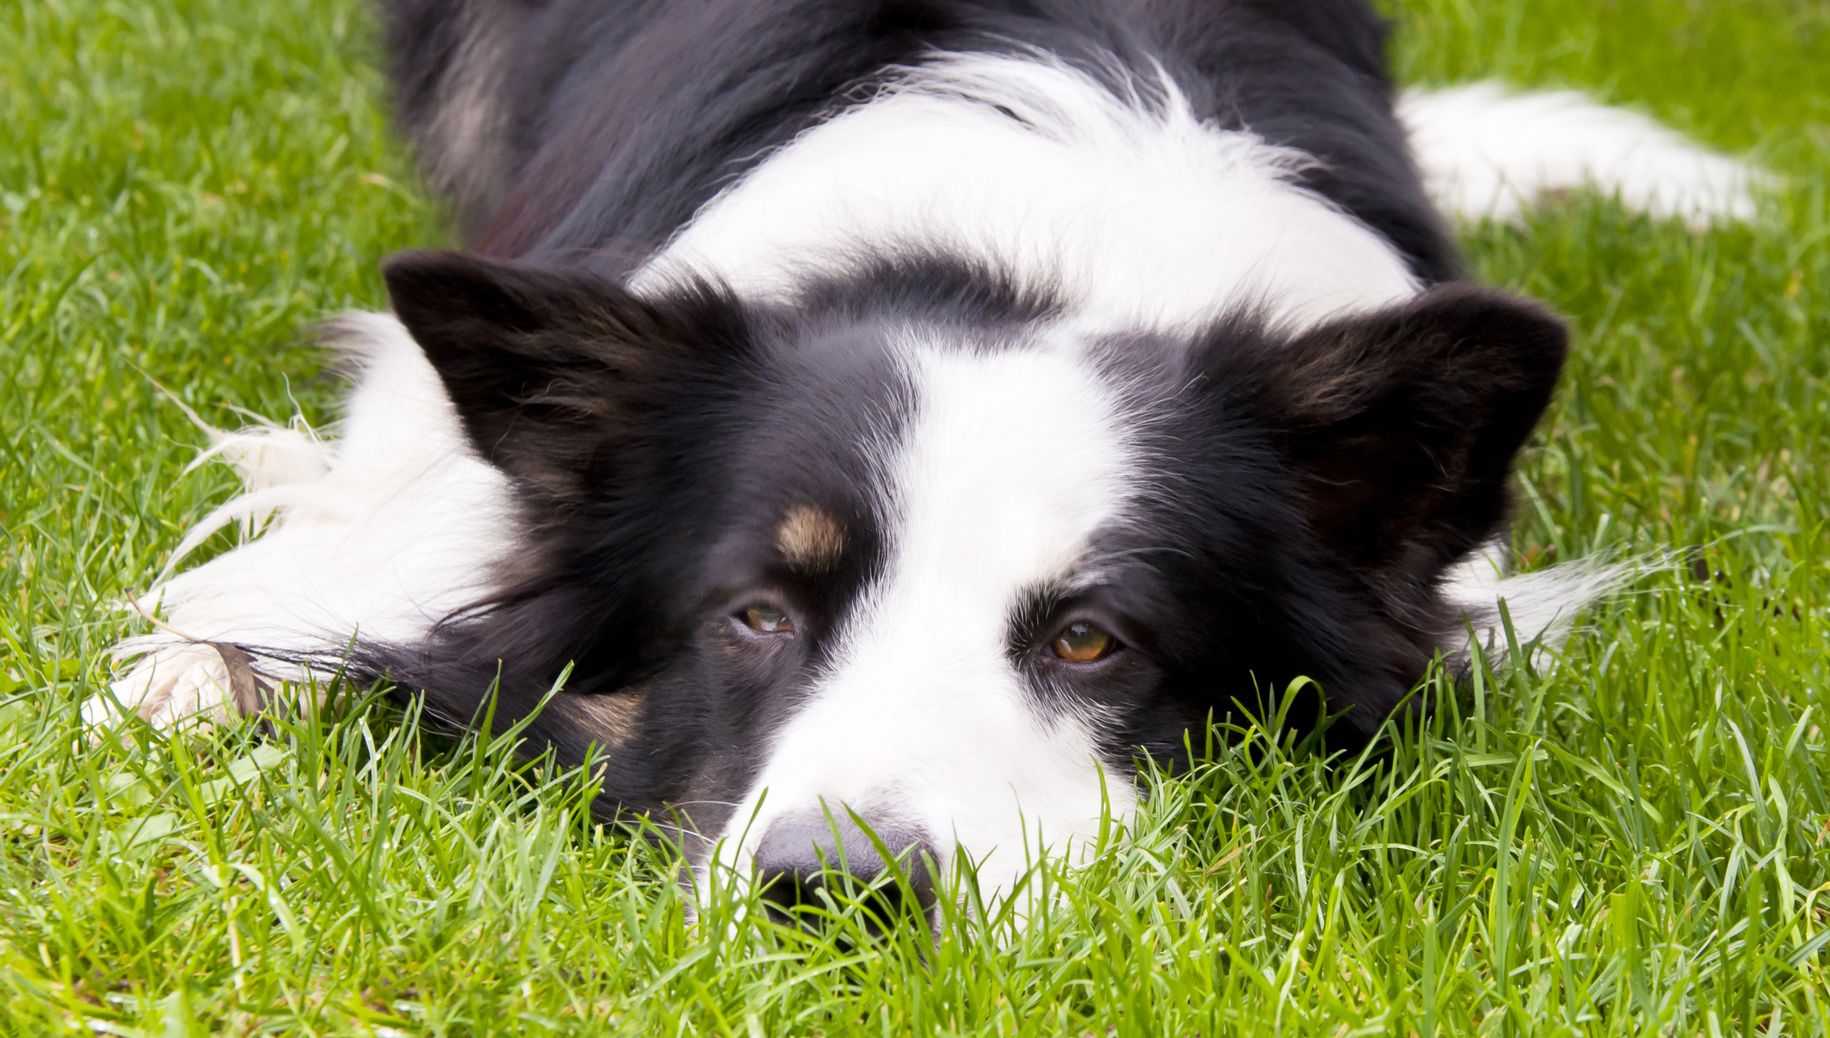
x: 1542, y: 606
x: 384, y: 531
x: 1488, y: 153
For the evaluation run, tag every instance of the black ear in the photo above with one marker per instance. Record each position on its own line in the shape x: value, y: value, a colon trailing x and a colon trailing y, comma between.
x: 1404, y: 424
x: 544, y: 364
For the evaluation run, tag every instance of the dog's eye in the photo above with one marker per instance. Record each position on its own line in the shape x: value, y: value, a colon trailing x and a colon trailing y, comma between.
x: 766, y: 619
x: 1083, y: 642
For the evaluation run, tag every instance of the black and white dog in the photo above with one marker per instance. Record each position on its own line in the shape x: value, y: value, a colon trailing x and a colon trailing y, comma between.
x: 911, y: 412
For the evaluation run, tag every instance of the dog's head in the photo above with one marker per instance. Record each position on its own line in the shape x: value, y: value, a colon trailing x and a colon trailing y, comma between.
x: 912, y: 552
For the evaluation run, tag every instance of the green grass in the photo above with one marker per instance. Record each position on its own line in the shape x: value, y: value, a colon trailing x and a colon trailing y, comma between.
x: 1634, y: 839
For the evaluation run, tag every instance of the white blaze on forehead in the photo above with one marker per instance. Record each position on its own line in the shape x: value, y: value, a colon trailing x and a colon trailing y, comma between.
x: 1014, y: 460
x: 1011, y: 463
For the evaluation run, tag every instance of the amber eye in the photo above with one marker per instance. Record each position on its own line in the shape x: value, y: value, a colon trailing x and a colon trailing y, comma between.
x: 766, y: 619
x: 1083, y: 642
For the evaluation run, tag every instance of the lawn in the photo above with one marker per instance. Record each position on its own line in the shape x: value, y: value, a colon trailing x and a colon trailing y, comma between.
x: 1634, y: 837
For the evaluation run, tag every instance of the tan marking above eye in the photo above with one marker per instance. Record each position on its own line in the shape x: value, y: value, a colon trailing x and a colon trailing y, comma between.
x: 766, y: 619
x: 810, y: 538
x: 1083, y: 642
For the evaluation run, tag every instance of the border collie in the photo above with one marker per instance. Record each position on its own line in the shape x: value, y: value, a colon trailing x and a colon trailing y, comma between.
x: 898, y: 418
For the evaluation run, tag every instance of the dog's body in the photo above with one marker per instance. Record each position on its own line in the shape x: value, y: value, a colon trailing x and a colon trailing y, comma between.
x: 915, y: 409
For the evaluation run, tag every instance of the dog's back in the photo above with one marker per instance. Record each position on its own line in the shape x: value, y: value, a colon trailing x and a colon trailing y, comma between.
x: 582, y: 129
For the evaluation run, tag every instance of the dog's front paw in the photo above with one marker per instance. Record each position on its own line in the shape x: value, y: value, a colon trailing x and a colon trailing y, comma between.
x: 205, y: 682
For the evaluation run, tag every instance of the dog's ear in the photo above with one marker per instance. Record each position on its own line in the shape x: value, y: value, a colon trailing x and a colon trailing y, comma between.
x: 1404, y: 424
x: 545, y: 365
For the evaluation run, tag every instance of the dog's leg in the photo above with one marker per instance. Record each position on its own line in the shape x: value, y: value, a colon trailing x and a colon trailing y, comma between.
x: 1488, y: 153
x: 377, y: 535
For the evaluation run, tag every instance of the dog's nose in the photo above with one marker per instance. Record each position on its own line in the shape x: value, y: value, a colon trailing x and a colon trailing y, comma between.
x: 802, y: 853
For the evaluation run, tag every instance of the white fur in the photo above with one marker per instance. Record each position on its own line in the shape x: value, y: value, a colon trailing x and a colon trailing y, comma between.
x: 1144, y: 215
x: 1542, y: 606
x: 1013, y: 461
x: 1487, y: 153
x: 383, y: 532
